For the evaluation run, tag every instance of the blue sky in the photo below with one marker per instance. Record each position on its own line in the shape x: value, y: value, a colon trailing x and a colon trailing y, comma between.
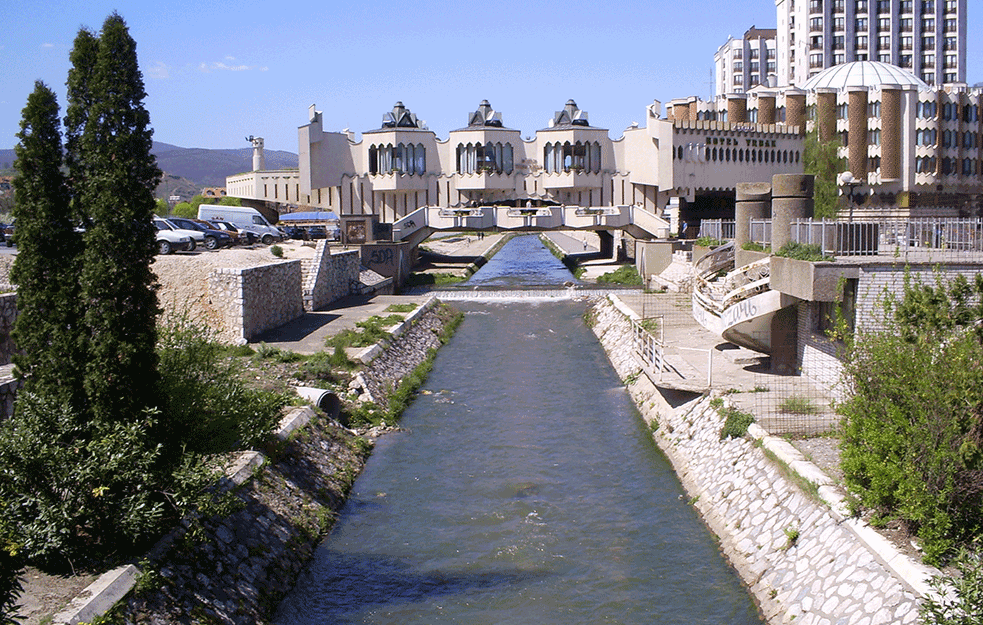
x: 218, y: 71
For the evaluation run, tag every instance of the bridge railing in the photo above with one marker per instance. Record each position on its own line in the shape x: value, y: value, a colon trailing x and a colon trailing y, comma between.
x: 930, y: 238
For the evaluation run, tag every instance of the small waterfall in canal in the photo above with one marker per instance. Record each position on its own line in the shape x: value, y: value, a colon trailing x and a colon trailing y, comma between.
x: 525, y: 489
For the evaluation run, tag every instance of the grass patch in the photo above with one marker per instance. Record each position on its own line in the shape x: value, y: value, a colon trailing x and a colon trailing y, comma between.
x: 625, y: 275
x: 271, y: 352
x: 799, y: 405
x: 432, y: 279
x: 809, y: 488
x: 370, y: 332
x: 401, y: 308
x: 736, y: 421
x: 751, y: 246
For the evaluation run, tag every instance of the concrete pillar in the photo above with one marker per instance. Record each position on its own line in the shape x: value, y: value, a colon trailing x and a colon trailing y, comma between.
x: 826, y: 113
x: 766, y: 108
x: 791, y: 199
x: 606, y: 243
x: 753, y: 202
x: 795, y: 109
x: 736, y: 108
x: 890, y: 132
x: 857, y: 126
x: 694, y: 112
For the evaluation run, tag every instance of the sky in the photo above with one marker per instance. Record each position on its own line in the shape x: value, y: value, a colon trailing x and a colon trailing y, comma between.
x: 216, y: 72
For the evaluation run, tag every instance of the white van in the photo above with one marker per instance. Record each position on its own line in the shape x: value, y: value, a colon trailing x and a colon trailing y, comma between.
x: 243, y: 218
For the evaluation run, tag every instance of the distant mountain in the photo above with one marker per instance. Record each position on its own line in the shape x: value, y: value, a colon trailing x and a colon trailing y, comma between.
x: 200, y: 166
x: 209, y: 168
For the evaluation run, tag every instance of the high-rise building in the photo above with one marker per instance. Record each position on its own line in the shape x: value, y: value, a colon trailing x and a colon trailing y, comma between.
x: 741, y: 64
x: 924, y: 37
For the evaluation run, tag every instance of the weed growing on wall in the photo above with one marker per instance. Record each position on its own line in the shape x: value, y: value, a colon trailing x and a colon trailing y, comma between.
x: 625, y: 275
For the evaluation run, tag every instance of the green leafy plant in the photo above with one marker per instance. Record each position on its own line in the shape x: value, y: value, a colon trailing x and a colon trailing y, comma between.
x: 277, y: 251
x: 803, y: 251
x: 402, y: 308
x: 708, y: 242
x: 751, y: 246
x: 791, y: 536
x: 626, y: 275
x: 958, y: 600
x: 736, y: 421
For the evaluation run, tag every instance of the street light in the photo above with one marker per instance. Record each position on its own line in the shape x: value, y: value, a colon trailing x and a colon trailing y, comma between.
x: 847, y: 179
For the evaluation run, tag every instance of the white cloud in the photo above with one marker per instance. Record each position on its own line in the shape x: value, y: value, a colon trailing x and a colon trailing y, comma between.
x: 159, y: 71
x: 219, y: 66
x: 47, y: 45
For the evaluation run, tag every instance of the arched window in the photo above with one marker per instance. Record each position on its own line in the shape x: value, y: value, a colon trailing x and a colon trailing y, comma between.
x: 508, y: 158
x: 373, y: 159
x: 421, y: 159
x: 548, y: 158
x: 596, y: 157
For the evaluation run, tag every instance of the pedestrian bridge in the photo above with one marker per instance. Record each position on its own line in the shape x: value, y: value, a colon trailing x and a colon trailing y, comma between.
x: 423, y: 222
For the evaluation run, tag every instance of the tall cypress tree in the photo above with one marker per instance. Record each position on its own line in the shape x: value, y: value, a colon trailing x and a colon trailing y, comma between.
x: 110, y: 147
x: 46, y: 266
x: 83, y: 58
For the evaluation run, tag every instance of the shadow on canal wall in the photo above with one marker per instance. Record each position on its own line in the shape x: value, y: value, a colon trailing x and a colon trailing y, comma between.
x: 803, y: 559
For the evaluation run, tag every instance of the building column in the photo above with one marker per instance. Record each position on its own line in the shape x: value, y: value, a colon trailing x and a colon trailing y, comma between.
x: 766, y: 108
x: 753, y: 202
x: 736, y: 108
x: 791, y: 199
x: 890, y: 132
x: 795, y: 109
x: 857, y: 128
x: 826, y: 113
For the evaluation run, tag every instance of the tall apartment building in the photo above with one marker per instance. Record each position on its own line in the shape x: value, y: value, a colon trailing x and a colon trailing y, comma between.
x: 925, y: 37
x: 741, y: 64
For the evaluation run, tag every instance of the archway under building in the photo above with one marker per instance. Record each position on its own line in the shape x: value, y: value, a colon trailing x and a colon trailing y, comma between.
x: 706, y: 205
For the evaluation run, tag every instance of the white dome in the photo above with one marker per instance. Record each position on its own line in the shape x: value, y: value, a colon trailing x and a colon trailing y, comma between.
x: 863, y: 74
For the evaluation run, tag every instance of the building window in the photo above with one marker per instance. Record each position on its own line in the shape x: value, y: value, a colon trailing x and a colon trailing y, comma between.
x: 951, y: 43
x: 816, y: 42
x: 967, y: 167
x: 738, y: 53
x: 884, y: 43
x: 815, y: 6
x: 950, y: 78
x: 874, y: 137
x: 928, y: 43
x: 883, y: 6
x: 928, y: 24
x: 861, y: 42
x: 951, y: 61
x: 904, y: 60
x: 928, y: 60
x: 770, y: 53
x: 928, y: 110
x: 402, y: 159
x: 739, y: 66
x: 755, y: 67
x: 951, y: 6
x: 839, y: 59
x: 907, y: 43
x: 874, y: 109
x: 951, y: 25
x: 755, y: 53
x: 947, y: 139
x: 816, y: 23
x: 815, y: 60
x: 861, y: 23
x: 969, y: 140
x: 838, y: 43
x: 839, y: 23
x: 907, y: 6
x: 873, y: 163
x: 928, y: 6
x: 861, y: 6
x: 906, y: 25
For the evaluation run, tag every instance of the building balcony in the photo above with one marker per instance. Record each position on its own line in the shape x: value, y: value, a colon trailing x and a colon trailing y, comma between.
x: 572, y: 179
x: 485, y: 180
x: 396, y: 181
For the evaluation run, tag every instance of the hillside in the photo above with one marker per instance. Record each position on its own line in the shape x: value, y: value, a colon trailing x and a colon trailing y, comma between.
x: 193, y: 168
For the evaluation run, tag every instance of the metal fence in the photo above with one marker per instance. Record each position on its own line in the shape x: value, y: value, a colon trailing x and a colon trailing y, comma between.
x: 720, y: 229
x: 760, y: 232
x: 928, y: 238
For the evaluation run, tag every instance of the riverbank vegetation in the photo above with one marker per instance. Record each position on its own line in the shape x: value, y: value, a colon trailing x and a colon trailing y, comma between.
x: 913, y: 420
x: 625, y: 275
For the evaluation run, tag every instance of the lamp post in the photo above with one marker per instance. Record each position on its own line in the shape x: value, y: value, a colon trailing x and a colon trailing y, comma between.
x: 847, y: 179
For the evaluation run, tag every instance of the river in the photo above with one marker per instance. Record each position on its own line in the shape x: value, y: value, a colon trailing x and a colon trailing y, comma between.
x: 525, y: 489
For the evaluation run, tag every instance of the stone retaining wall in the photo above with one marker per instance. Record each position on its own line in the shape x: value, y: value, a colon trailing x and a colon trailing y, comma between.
x: 828, y: 573
x: 329, y: 276
x: 254, y: 299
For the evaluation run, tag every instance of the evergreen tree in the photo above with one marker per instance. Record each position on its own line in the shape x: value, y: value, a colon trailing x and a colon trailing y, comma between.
x: 83, y: 59
x: 114, y: 180
x: 46, y: 266
x: 823, y: 160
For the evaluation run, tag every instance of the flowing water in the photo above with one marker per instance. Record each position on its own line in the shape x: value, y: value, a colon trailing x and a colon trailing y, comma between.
x: 525, y: 490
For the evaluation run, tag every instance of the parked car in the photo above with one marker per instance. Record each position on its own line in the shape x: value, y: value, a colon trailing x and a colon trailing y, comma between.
x: 8, y: 233
x: 169, y: 240
x: 197, y: 236
x: 244, y: 218
x: 317, y: 232
x: 244, y: 237
x: 214, y: 238
x: 297, y: 232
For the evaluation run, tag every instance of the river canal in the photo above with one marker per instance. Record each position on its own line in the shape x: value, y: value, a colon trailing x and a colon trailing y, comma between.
x: 525, y: 489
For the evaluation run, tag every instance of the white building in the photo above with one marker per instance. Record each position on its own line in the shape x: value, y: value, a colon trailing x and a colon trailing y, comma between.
x: 925, y: 37
x: 741, y: 64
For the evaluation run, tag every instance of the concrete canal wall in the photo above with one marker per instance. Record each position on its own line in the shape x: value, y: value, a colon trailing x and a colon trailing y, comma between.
x: 802, y: 558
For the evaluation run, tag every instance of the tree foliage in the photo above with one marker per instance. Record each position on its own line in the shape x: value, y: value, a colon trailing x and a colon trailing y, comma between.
x: 823, y: 161
x: 112, y: 142
x: 957, y: 600
x: 913, y: 423
x: 47, y: 264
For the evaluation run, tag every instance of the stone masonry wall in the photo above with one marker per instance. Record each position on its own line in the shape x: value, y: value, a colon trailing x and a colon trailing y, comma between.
x: 329, y: 276
x: 252, y: 300
x: 827, y: 574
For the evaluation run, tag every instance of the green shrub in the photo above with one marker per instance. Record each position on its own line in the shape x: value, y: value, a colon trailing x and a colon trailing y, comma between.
x: 751, y: 246
x: 11, y: 571
x: 959, y: 599
x: 277, y: 251
x: 626, y: 275
x: 272, y: 352
x: 210, y: 408
x: 736, y: 422
x: 803, y: 251
x: 401, y: 308
x: 708, y: 242
x: 913, y: 419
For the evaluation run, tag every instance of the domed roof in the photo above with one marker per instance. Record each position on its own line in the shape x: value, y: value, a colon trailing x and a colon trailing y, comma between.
x: 863, y: 74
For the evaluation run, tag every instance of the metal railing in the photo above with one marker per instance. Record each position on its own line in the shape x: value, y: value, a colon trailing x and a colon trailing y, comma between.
x: 650, y: 351
x: 722, y: 229
x: 930, y: 239
x: 760, y: 232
